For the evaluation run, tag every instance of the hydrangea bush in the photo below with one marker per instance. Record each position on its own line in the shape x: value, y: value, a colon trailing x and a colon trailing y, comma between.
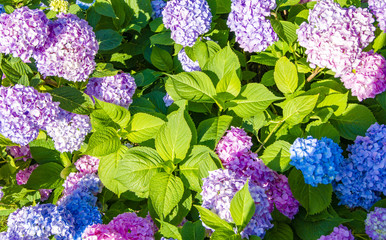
x: 193, y: 119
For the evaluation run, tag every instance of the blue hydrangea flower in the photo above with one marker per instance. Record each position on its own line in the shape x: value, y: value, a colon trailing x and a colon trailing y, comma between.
x: 158, y: 7
x: 2, y: 10
x: 362, y: 177
x: 187, y: 64
x: 376, y: 224
x: 319, y: 160
x: 84, y: 5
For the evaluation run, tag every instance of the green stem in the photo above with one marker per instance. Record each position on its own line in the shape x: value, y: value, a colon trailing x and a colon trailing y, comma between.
x: 270, y: 135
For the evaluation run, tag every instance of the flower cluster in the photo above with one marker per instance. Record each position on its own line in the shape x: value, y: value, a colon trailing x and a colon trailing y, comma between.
x: 341, y: 233
x: 123, y: 226
x: 368, y: 77
x: 59, y: 6
x: 118, y: 89
x: 168, y: 100
x: 378, y: 7
x: 187, y: 19
x: 69, y: 130
x: 84, y: 5
x: 362, y: 177
x: 70, y: 49
x: 22, y: 178
x: 376, y: 224
x: 187, y: 64
x: 87, y: 164
x: 20, y: 153
x: 234, y: 150
x: 23, y: 32
x: 319, y: 160
x: 248, y: 20
x: 218, y: 190
x: 334, y: 37
x: 23, y: 111
x: 88, y: 182
x: 158, y: 7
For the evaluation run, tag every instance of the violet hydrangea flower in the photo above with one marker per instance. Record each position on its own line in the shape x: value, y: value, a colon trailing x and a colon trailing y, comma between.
x: 368, y: 77
x: 23, y: 111
x: 23, y: 32
x: 376, y: 224
x: 158, y: 7
x: 378, y: 7
x: 248, y: 20
x: 319, y: 160
x: 20, y: 153
x: 187, y: 20
x: 118, y: 89
x: 168, y: 100
x: 87, y: 164
x: 187, y: 64
x: 88, y: 182
x: 341, y: 233
x: 362, y: 177
x: 70, y: 49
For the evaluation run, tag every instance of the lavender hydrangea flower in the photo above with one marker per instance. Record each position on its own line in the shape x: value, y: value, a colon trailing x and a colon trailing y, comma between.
x: 217, y: 192
x: 187, y: 64
x: 88, y: 182
x: 2, y: 10
x: 118, y: 89
x: 69, y: 130
x: 87, y: 164
x: 248, y: 20
x: 187, y: 20
x: 158, y: 7
x: 368, y: 77
x: 319, y: 160
x: 84, y: 5
x: 334, y: 37
x: 378, y: 7
x: 376, y: 224
x: 168, y: 100
x: 341, y: 233
x: 23, y: 111
x: 70, y: 49
x: 1, y: 192
x: 23, y: 32
x: 20, y: 153
x: 362, y: 177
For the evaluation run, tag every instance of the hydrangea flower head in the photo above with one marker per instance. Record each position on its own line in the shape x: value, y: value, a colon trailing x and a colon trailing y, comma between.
x: 187, y: 20
x: 248, y: 20
x: 341, y: 233
x: 70, y: 49
x: 88, y: 182
x: 118, y: 89
x: 130, y: 226
x: 101, y: 232
x: 20, y: 153
x: 362, y: 177
x: 187, y: 64
x: 87, y: 164
x: 84, y: 5
x: 168, y: 100
x: 368, y: 77
x: 23, y: 32
x: 218, y: 190
x: 319, y: 160
x: 158, y: 7
x: 378, y: 7
x: 23, y: 111
x: 376, y: 224
x: 59, y: 6
x: 23, y: 175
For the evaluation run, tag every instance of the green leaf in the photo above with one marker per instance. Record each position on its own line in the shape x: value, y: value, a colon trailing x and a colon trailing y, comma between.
x: 222, y: 234
x: 290, y: 29
x: 103, y: 142
x: 141, y: 164
x: 108, y: 39
x: 104, y: 7
x: 298, y: 108
x: 354, y: 121
x: 242, y: 207
x: 162, y: 38
x: 379, y: 41
x: 381, y: 98
x: 194, y: 86
x: 143, y: 127
x: 203, y: 51
x: 277, y: 156
x: 166, y: 191
x: 268, y: 79
x: 337, y: 101
x: 173, y: 139
x: 6, y: 142
x: 45, y: 176
x: 286, y: 75
x: 161, y: 59
x: 264, y: 58
x: 24, y: 80
x: 229, y: 86
x: 213, y: 221
x: 313, y: 199
x: 254, y: 98
x: 9, y: 71
x: 317, y: 129
x: 193, y: 231
x: 43, y: 151
x: 280, y: 231
x: 72, y: 100
x: 169, y: 231
x: 211, y: 130
x: 104, y: 70
x: 279, y: 30
x: 109, y: 114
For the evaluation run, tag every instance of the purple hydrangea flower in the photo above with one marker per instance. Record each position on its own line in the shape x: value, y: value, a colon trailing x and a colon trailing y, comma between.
x: 1, y: 192
x: 87, y: 164
x: 101, y: 232
x: 248, y: 20
x: 118, y: 89
x: 69, y: 130
x: 187, y: 64
x: 168, y: 100
x: 70, y: 49
x: 378, y: 7
x: 20, y: 153
x: 23, y: 111
x: 187, y: 20
x: 88, y: 182
x: 158, y: 7
x: 23, y: 32
x: 368, y: 77
x: 376, y: 224
x: 218, y: 190
x: 362, y: 177
x: 334, y: 37
x: 319, y: 160
x: 341, y: 233
x: 84, y: 5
